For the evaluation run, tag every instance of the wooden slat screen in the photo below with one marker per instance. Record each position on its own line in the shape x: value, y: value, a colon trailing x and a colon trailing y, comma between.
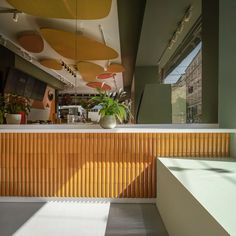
x: 95, y: 164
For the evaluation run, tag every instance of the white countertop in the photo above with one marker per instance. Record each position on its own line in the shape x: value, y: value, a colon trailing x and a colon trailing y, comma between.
x: 95, y: 128
x: 212, y: 184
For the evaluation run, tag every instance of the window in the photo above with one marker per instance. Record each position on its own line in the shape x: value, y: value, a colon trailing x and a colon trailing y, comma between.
x: 186, y: 80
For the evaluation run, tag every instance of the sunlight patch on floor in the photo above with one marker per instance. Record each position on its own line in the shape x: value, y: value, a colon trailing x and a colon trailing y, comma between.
x: 67, y: 218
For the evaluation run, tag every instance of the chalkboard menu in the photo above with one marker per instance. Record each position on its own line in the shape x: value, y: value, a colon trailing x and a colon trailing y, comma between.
x: 25, y: 85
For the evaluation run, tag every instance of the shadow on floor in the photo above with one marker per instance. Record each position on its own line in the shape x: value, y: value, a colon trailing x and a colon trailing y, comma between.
x: 14, y: 215
x: 135, y: 219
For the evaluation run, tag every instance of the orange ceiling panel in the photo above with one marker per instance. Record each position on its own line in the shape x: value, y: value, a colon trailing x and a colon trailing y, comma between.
x: 105, y: 76
x: 102, y: 86
x: 51, y: 63
x: 65, y: 9
x: 31, y: 41
x: 77, y: 47
x: 89, y: 70
x: 115, y: 68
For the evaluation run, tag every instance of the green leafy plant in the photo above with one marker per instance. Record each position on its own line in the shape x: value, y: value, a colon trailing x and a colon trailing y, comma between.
x: 112, y: 104
x: 13, y: 104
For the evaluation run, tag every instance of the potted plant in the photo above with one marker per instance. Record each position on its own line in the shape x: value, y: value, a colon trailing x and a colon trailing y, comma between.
x: 16, y: 107
x: 113, y: 108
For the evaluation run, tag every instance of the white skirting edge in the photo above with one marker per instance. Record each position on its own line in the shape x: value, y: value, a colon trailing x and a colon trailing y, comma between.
x: 91, y: 200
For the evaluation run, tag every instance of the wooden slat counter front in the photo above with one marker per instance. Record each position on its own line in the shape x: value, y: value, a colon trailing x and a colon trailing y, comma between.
x: 87, y: 161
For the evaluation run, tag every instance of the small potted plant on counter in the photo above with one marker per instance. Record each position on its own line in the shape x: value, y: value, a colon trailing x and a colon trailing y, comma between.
x: 16, y: 108
x: 113, y: 108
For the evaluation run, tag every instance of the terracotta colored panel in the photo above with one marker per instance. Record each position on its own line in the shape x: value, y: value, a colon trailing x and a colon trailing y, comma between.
x: 51, y: 63
x: 102, y: 86
x: 31, y: 42
x: 115, y: 68
x: 86, y: 9
x: 105, y: 76
x: 77, y: 47
x: 89, y: 70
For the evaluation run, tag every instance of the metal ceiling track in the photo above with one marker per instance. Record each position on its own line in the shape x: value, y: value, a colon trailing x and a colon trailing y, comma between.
x: 9, y: 10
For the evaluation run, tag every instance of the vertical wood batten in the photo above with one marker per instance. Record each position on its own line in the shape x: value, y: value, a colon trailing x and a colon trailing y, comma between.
x: 95, y: 164
x: 112, y: 166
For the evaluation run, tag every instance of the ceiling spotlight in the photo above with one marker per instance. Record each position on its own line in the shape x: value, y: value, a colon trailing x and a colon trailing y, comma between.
x: 174, y: 37
x: 188, y: 14
x: 180, y: 27
x: 170, y: 45
x: 11, y: 10
x: 15, y: 16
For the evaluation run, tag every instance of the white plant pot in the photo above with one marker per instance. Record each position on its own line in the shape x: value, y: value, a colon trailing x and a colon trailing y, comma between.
x: 13, y: 118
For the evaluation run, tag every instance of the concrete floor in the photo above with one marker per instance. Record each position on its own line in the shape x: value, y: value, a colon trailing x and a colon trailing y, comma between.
x: 134, y: 219
x: 79, y: 218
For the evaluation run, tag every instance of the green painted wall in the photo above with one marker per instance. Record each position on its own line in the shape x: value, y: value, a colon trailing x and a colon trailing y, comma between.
x: 227, y: 64
x: 155, y: 107
x: 144, y: 75
x: 130, y: 15
x: 218, y: 59
x: 233, y: 145
x: 210, y: 49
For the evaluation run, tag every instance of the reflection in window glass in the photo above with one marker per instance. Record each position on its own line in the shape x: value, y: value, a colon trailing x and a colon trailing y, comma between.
x: 186, y: 81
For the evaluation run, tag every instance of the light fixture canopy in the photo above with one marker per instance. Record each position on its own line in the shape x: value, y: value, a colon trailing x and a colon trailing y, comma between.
x: 14, y: 11
x: 15, y: 16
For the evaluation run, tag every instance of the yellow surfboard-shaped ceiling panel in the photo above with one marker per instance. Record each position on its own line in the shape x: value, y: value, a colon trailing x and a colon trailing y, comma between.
x: 89, y: 70
x: 66, y: 9
x: 77, y: 47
